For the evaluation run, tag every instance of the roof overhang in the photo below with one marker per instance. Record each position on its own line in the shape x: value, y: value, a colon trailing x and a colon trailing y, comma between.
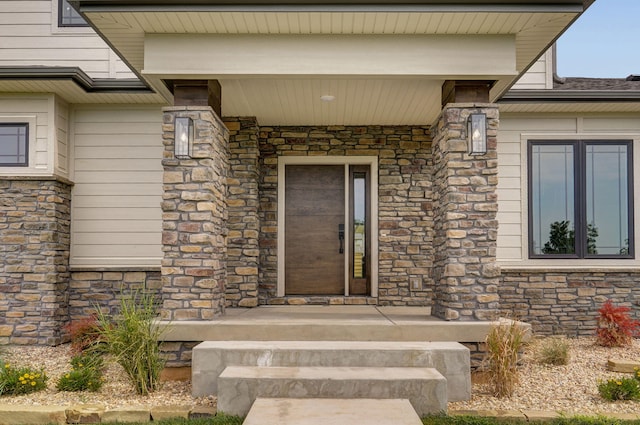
x: 574, y: 96
x: 74, y: 85
x: 133, y: 28
x: 571, y: 101
x: 337, y: 5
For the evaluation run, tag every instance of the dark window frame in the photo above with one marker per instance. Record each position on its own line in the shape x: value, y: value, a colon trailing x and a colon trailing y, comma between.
x: 61, y: 23
x: 26, y: 144
x: 580, y: 198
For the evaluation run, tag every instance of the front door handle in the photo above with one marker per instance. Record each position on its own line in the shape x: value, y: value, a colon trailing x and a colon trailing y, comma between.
x: 341, y: 237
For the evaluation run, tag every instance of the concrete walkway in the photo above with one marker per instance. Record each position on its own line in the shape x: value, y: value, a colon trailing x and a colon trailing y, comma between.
x: 313, y: 411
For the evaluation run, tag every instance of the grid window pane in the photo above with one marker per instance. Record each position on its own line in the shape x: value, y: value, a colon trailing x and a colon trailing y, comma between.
x: 607, y: 197
x: 553, y: 199
x: 69, y: 16
x: 13, y: 145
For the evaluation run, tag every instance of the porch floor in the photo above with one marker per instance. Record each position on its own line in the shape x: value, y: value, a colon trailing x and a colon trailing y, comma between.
x: 328, y: 323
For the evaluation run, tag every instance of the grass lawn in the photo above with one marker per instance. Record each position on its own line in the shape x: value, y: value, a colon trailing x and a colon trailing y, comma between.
x: 432, y: 420
x: 473, y: 420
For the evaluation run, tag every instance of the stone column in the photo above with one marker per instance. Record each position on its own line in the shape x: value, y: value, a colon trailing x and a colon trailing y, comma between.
x: 465, y: 270
x: 194, y: 218
x: 243, y: 252
x: 35, y: 220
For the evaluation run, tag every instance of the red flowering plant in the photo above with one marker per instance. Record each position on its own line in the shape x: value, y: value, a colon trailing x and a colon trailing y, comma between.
x: 615, y: 327
x: 84, y: 333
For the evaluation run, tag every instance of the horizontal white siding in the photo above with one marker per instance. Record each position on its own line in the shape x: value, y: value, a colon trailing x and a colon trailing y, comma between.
x: 513, y: 134
x: 116, y: 216
x: 38, y: 112
x: 62, y: 138
x: 30, y: 36
x: 539, y: 76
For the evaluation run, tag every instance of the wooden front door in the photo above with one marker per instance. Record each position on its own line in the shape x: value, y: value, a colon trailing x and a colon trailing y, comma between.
x: 314, y: 215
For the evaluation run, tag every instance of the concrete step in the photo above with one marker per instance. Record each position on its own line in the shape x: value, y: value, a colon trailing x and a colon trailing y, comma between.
x: 451, y: 359
x: 240, y: 386
x: 314, y: 411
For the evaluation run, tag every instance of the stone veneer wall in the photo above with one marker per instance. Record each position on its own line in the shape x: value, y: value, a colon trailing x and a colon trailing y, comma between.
x: 243, y: 222
x: 465, y: 270
x: 566, y: 302
x: 34, y: 259
x: 405, y: 207
x: 194, y: 218
x: 89, y: 289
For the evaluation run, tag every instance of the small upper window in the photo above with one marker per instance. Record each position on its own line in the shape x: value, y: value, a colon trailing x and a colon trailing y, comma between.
x: 14, y: 145
x: 68, y: 17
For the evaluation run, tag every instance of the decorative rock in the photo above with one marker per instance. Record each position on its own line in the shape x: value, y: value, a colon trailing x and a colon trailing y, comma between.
x: 623, y: 365
x: 127, y: 414
x: 11, y: 414
x: 85, y: 414
x: 159, y: 413
x: 540, y: 415
x: 202, y: 412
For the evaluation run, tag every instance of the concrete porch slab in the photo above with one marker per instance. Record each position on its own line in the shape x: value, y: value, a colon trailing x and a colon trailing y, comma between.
x: 327, y: 323
x: 286, y: 411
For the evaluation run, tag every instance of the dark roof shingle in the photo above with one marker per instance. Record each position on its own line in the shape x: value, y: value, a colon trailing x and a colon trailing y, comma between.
x: 579, y: 83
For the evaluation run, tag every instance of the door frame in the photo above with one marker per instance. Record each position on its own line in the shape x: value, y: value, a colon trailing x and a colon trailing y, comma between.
x: 372, y: 162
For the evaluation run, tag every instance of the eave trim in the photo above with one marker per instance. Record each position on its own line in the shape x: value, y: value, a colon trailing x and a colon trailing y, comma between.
x: 77, y: 76
x: 569, y: 96
x: 416, y: 6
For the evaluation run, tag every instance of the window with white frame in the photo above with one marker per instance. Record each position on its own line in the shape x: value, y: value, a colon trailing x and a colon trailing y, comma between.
x: 580, y: 199
x: 68, y: 16
x: 14, y: 144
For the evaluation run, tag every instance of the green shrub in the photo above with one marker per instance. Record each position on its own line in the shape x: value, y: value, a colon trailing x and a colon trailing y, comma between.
x: 503, y: 343
x: 132, y: 338
x: 619, y: 389
x: 553, y: 351
x: 22, y: 380
x: 85, y: 374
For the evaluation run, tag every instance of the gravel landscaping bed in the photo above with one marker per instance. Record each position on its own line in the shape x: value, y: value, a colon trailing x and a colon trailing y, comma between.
x: 570, y: 389
x: 117, y: 391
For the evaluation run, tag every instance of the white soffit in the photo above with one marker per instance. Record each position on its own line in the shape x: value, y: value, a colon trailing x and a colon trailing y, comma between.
x: 357, y: 101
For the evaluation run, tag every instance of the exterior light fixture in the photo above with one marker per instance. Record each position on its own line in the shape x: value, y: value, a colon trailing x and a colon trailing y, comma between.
x: 183, y: 148
x: 327, y: 98
x: 477, y: 134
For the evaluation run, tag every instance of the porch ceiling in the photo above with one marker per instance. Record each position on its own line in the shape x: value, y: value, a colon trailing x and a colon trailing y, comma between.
x: 294, y: 100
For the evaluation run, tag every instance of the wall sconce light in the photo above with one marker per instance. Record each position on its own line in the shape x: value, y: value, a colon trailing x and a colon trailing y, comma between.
x: 477, y: 134
x: 183, y: 148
